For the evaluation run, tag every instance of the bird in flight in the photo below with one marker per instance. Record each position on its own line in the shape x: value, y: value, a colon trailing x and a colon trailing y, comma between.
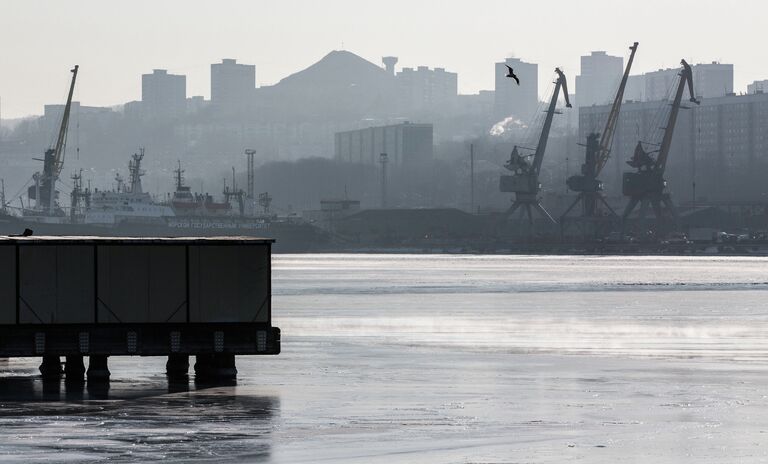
x: 511, y: 74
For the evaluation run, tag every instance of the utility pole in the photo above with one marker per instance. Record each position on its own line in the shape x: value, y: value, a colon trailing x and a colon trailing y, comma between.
x: 251, y: 187
x: 471, y: 177
x: 2, y: 195
x: 693, y: 174
x: 383, y: 159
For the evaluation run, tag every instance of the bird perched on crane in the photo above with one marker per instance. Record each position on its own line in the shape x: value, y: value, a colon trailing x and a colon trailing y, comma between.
x: 511, y: 74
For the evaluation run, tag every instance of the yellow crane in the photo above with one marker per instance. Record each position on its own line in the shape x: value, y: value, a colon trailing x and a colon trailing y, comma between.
x: 44, y: 191
x: 598, y: 150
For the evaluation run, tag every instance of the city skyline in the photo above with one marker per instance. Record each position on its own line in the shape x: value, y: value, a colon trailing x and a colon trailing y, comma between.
x: 151, y: 35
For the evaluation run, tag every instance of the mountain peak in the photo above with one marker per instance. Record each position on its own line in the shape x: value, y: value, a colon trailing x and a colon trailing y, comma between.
x: 341, y: 85
x: 341, y: 67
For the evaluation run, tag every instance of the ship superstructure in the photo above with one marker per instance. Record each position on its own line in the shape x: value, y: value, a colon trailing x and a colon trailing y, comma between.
x: 186, y: 203
x: 126, y: 202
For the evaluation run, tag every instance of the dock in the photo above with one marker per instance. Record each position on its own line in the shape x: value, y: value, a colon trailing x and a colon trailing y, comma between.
x: 95, y: 297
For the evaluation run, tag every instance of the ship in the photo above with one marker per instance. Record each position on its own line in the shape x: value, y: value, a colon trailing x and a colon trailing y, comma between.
x: 125, y: 204
x: 127, y: 210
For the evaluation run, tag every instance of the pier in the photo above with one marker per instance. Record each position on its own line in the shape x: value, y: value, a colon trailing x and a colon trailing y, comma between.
x: 96, y: 297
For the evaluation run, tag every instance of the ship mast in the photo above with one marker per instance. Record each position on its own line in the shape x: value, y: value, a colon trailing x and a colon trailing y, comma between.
x: 134, y: 168
x: 179, y: 177
x: 80, y: 198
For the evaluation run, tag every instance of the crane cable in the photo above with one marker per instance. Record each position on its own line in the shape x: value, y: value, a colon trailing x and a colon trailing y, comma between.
x: 655, y: 131
x: 20, y: 192
x: 533, y: 131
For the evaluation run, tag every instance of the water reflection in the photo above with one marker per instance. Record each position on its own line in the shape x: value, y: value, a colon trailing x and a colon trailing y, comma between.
x: 144, y: 419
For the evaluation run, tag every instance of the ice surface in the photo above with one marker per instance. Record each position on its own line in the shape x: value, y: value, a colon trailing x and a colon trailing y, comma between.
x: 435, y: 359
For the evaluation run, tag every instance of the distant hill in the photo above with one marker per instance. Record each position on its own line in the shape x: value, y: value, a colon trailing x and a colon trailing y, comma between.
x: 340, y: 87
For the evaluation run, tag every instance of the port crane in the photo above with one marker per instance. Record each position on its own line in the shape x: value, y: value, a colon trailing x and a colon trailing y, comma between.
x: 597, y: 152
x: 44, y: 191
x: 647, y: 184
x: 524, y: 180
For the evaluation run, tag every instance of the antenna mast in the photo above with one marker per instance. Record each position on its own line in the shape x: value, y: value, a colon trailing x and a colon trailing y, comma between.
x: 2, y: 196
x: 251, y: 191
x: 383, y: 159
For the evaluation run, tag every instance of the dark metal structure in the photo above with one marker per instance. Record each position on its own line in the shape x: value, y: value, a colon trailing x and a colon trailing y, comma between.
x: 524, y: 182
x: 598, y: 150
x: 100, y: 297
x: 647, y: 186
x: 234, y: 193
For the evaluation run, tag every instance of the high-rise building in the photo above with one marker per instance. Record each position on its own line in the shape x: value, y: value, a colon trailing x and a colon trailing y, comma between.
x: 404, y: 144
x: 196, y: 103
x: 232, y: 84
x: 635, y: 89
x: 599, y: 78
x: 710, y: 80
x: 659, y: 83
x: 163, y: 95
x: 757, y: 87
x: 425, y: 89
x: 720, y: 145
x: 515, y: 100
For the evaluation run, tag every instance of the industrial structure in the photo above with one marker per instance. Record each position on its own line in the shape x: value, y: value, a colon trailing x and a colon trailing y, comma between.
x: 720, y: 152
x: 44, y: 191
x: 598, y: 150
x: 719, y: 145
x: 524, y: 180
x: 251, y: 188
x: 647, y: 186
x: 101, y: 297
x: 3, y: 204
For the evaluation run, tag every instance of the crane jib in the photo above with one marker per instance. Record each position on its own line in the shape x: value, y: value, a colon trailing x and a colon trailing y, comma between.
x: 61, y: 141
x: 686, y: 79
x: 606, y: 140
x: 544, y: 136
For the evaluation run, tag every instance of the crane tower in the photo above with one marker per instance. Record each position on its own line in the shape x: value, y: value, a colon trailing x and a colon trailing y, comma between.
x: 646, y: 186
x: 524, y: 180
x: 598, y: 151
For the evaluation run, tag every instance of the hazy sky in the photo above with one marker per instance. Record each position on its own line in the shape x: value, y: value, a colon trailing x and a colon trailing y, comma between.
x: 115, y: 41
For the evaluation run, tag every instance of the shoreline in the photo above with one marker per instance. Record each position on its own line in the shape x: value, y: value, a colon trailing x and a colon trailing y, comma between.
x: 724, y: 250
